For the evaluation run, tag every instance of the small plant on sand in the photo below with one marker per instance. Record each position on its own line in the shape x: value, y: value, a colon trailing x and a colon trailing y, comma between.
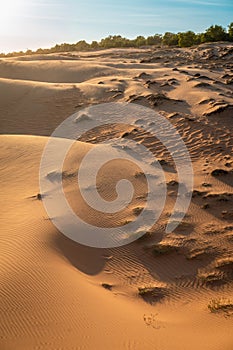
x: 219, y: 172
x: 39, y: 196
x: 225, y: 263
x: 162, y: 249
x: 221, y: 304
x: 137, y: 210
x: 212, y: 278
x: 107, y: 286
x: 146, y: 236
x: 151, y: 293
x: 126, y: 222
x: 205, y: 206
x: 139, y: 174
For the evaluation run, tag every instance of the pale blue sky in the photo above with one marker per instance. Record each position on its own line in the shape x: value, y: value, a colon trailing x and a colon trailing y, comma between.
x: 44, y: 23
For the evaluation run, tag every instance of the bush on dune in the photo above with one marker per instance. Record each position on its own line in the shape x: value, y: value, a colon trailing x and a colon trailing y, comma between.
x: 214, y: 33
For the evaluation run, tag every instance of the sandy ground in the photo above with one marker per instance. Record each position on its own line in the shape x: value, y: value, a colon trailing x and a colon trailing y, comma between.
x: 153, y: 293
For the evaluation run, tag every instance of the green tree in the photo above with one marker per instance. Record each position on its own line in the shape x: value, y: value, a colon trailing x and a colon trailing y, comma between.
x: 187, y: 39
x: 94, y: 45
x: 170, y: 39
x: 115, y: 41
x: 214, y: 33
x: 39, y: 51
x: 139, y: 41
x: 118, y: 41
x: 154, y: 39
x: 230, y: 31
x: 198, y: 38
x: 108, y: 42
x: 81, y: 45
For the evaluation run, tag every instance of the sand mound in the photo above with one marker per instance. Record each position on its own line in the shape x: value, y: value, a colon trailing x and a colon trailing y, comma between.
x: 51, y: 71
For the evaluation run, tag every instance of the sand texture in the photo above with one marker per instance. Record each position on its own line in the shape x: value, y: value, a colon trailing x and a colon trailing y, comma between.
x: 164, y: 291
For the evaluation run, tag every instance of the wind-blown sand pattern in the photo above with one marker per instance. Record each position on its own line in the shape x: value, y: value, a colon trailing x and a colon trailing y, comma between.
x: 164, y: 291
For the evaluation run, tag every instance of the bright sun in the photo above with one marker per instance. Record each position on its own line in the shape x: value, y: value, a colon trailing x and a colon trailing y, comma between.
x: 12, y: 14
x: 9, y: 11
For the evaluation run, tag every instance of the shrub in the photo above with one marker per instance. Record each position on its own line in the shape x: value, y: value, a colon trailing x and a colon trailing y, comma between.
x: 187, y: 39
x: 154, y: 40
x: 162, y: 249
x: 230, y: 31
x: 214, y: 33
x: 170, y: 39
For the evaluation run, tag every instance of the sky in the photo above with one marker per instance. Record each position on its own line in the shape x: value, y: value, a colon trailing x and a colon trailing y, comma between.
x: 30, y: 24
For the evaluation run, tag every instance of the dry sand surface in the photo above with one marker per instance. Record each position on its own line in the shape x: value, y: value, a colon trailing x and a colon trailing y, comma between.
x: 164, y: 291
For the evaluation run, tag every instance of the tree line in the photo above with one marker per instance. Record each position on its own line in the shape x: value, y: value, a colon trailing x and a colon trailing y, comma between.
x: 214, y: 33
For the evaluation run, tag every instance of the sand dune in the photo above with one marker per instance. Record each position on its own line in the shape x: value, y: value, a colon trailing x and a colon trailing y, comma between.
x: 163, y: 291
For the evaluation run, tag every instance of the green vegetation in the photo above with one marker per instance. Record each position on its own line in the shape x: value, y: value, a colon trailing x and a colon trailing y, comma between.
x: 187, y: 39
x: 230, y: 31
x: 214, y: 33
x: 170, y: 39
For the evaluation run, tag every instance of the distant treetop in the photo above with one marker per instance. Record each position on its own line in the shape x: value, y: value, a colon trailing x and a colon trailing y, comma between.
x: 214, y: 33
